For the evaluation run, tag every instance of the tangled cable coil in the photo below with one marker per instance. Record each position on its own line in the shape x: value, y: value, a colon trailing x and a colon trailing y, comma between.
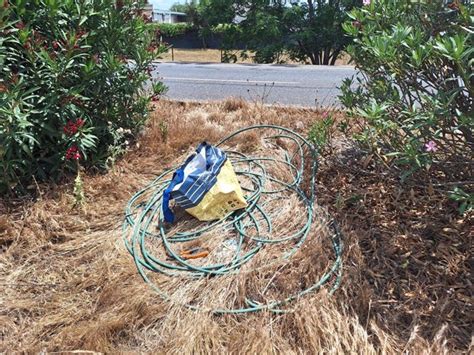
x: 248, y: 231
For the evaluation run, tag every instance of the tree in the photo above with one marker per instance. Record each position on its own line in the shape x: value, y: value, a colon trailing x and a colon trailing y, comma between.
x: 191, y: 9
x: 314, y: 30
x: 179, y: 7
x: 308, y: 31
x: 263, y: 31
x: 216, y: 12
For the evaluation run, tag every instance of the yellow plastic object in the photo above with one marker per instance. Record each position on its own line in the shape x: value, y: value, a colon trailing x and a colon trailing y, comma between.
x: 224, y: 197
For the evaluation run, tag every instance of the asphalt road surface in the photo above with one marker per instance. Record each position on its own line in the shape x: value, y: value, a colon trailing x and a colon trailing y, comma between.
x: 271, y: 84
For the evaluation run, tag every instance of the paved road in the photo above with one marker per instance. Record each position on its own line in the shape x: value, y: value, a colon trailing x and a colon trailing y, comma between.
x: 274, y: 84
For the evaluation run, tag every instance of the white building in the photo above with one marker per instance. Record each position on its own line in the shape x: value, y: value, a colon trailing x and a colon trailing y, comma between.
x: 165, y: 16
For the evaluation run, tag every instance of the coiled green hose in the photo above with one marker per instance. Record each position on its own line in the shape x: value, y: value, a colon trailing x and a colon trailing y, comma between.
x: 143, y: 212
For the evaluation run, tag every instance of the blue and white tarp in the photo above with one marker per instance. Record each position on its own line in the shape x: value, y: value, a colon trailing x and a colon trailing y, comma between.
x: 194, y: 179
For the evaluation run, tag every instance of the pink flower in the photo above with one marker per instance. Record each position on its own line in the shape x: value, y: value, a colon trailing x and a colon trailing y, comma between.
x: 325, y: 114
x: 366, y: 2
x: 431, y: 146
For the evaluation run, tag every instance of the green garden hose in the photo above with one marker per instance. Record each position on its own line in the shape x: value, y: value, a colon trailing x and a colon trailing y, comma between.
x: 144, y: 212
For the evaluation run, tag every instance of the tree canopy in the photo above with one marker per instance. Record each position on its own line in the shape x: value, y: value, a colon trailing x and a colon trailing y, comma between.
x: 307, y: 31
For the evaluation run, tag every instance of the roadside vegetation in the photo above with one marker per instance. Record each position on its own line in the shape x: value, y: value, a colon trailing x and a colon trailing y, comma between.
x: 415, y: 92
x: 395, y: 173
x: 273, y: 32
x: 71, y: 79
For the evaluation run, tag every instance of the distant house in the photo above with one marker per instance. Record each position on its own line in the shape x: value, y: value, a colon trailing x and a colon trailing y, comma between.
x: 165, y: 16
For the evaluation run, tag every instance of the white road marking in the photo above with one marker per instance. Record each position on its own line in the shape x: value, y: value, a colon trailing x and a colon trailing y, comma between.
x: 232, y: 81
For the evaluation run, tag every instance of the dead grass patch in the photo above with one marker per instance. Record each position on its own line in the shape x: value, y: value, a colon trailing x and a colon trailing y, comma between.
x: 233, y: 104
x: 214, y: 56
x: 69, y: 284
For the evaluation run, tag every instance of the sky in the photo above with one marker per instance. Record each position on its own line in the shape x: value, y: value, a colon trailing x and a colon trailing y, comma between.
x: 164, y: 4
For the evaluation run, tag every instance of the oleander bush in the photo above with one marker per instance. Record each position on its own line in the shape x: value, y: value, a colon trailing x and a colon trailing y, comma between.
x: 75, y: 85
x: 415, y: 90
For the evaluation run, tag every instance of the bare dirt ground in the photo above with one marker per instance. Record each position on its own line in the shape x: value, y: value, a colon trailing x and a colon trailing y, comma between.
x: 69, y: 284
x: 214, y: 56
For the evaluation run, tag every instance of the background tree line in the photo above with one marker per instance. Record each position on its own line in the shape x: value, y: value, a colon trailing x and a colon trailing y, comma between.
x: 273, y: 31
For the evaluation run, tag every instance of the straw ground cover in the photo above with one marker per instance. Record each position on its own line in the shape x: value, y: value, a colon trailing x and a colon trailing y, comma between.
x: 69, y: 284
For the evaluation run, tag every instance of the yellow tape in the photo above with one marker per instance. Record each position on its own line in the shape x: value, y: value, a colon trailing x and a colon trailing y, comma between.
x: 225, y: 196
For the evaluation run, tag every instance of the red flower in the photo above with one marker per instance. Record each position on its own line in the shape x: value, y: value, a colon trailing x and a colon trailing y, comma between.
x: 55, y: 45
x: 80, y: 122
x: 71, y: 127
x: 20, y: 25
x: 73, y: 153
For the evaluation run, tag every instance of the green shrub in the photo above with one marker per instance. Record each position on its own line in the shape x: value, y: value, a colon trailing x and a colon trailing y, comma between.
x: 72, y: 79
x: 417, y: 91
x: 171, y: 30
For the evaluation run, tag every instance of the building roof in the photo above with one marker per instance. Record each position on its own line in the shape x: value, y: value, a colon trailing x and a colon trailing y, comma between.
x: 157, y: 11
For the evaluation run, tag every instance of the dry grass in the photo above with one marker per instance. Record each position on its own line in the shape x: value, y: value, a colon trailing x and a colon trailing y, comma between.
x: 196, y: 55
x: 214, y: 56
x: 69, y: 284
